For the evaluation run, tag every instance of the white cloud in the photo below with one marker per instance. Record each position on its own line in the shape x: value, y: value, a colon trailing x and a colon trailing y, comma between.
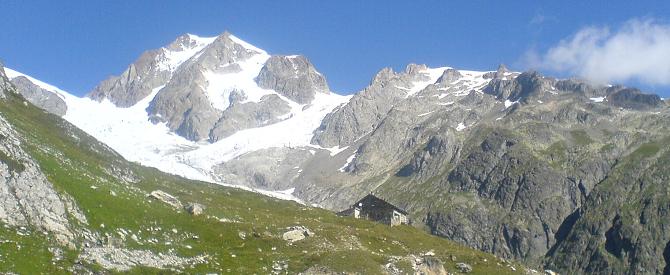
x: 638, y: 50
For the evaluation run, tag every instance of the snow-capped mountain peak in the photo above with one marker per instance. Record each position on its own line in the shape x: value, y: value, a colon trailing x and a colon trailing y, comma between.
x: 220, y: 78
x: 245, y: 44
x: 182, y: 49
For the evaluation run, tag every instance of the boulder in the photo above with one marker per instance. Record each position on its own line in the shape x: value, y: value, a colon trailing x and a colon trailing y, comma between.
x: 166, y: 198
x: 430, y: 266
x: 297, y: 233
x: 194, y: 209
x: 464, y: 268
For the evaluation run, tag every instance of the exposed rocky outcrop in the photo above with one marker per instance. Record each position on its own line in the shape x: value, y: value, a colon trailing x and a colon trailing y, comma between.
x: 633, y: 99
x: 183, y: 102
x: 367, y: 108
x: 151, y: 70
x: 194, y: 209
x: 47, y: 100
x: 123, y: 260
x: 293, y: 77
x: 526, y: 85
x: 239, y: 116
x: 5, y: 84
x: 28, y: 198
x: 622, y: 227
x: 464, y: 268
x: 135, y: 83
x: 500, y: 73
x: 185, y: 105
x: 166, y: 198
x: 430, y: 265
x: 531, y: 200
x: 297, y: 233
x: 262, y: 170
x: 449, y: 76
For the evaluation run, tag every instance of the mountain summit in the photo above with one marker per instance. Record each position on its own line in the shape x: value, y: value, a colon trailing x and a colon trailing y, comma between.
x: 207, y: 88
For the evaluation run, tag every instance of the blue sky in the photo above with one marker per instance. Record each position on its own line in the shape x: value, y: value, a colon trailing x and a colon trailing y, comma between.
x: 76, y: 44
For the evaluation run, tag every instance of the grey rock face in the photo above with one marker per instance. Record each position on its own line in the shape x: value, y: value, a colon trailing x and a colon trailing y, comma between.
x: 194, y: 209
x: 415, y: 71
x: 135, y: 83
x: 449, y: 76
x: 166, y: 198
x: 39, y: 97
x: 28, y: 198
x: 297, y: 233
x: 183, y: 102
x: 262, y: 170
x: 499, y: 171
x: 622, y: 227
x: 149, y: 71
x: 293, y: 77
x: 419, y: 134
x: 464, y: 268
x: 498, y: 74
x: 4, y: 81
x: 633, y: 99
x: 439, y: 149
x: 240, y: 116
x: 123, y: 260
x: 529, y: 84
x: 581, y: 87
x: 366, y: 109
x: 431, y: 266
x: 221, y: 54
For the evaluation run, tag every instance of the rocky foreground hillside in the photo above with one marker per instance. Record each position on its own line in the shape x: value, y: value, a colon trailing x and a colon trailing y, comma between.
x: 70, y: 204
x: 556, y: 173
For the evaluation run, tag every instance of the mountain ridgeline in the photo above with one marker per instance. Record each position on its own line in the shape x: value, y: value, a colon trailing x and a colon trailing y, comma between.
x: 560, y: 174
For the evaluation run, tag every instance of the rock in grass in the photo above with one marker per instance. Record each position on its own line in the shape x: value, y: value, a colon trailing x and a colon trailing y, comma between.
x: 464, y: 268
x: 166, y: 198
x: 194, y: 209
x: 431, y: 266
x: 297, y: 233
